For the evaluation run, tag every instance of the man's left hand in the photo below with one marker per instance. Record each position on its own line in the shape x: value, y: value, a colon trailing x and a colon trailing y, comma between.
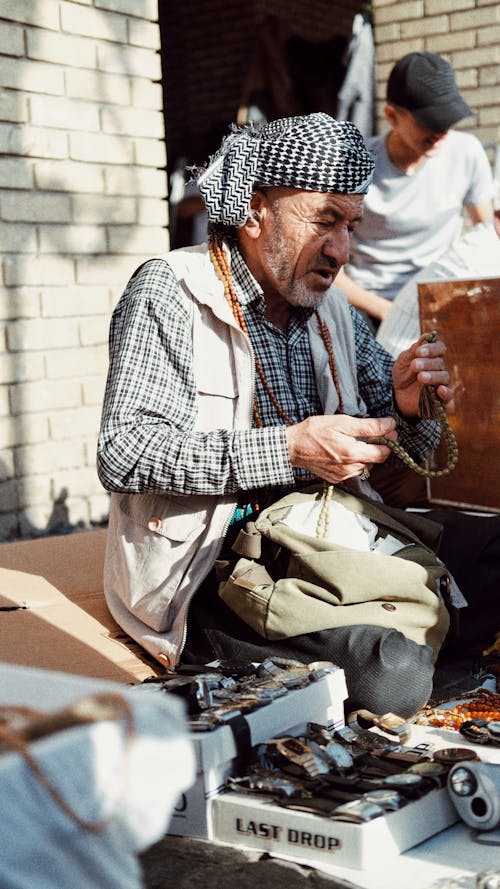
x: 423, y: 364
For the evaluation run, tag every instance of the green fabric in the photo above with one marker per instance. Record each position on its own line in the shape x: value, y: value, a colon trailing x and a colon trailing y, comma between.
x: 303, y: 584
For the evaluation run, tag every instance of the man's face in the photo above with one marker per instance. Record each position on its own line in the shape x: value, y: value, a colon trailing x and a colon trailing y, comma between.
x: 304, y: 241
x: 419, y: 140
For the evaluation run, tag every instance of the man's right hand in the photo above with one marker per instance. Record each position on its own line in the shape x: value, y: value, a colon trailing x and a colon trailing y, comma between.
x: 332, y: 447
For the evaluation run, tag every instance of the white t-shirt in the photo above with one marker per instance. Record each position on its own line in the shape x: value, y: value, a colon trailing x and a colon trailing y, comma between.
x: 410, y: 220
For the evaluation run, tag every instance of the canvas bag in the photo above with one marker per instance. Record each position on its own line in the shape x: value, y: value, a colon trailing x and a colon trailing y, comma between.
x: 288, y: 582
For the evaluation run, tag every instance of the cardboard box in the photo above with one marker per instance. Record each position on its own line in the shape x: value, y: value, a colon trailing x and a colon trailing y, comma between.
x: 53, y: 614
x: 253, y: 822
x: 217, y: 751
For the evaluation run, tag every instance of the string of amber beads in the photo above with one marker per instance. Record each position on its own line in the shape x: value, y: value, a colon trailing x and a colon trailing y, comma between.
x: 481, y: 704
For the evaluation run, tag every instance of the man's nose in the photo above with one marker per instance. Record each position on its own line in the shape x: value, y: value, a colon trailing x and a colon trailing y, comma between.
x: 338, y: 246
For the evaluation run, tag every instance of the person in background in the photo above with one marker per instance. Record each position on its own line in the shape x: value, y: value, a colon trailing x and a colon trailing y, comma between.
x: 426, y: 173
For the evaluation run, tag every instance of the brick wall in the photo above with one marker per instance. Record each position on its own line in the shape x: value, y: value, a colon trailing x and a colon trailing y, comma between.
x: 465, y: 32
x: 82, y: 202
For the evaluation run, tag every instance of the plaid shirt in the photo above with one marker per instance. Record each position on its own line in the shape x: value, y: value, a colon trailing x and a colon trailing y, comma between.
x: 147, y: 442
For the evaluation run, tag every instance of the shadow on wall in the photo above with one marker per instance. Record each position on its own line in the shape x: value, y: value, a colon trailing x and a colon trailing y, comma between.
x: 74, y: 219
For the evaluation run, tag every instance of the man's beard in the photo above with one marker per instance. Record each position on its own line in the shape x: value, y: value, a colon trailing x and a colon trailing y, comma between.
x: 297, y: 293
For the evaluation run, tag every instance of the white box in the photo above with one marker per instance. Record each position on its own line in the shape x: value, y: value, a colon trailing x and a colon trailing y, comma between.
x: 217, y: 751
x: 249, y: 822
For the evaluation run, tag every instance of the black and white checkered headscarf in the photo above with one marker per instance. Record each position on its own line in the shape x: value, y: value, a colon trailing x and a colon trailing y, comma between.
x: 314, y: 152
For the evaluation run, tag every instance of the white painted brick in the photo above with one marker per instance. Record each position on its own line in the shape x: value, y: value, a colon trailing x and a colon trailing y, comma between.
x: 19, y: 302
x: 34, y: 77
x: 84, y: 361
x: 21, y: 368
x: 96, y: 208
x: 488, y: 35
x: 32, y: 206
x: 4, y: 401
x: 438, y: 24
x: 44, y: 15
x: 17, y: 238
x: 142, y: 33
x: 489, y: 116
x: 67, y: 176
x: 472, y: 58
x: 21, y: 271
x: 134, y: 239
x: 146, y: 94
x: 446, y: 43
x: 11, y: 40
x: 79, y: 482
x: 89, y: 22
x: 32, y: 141
x: 436, y: 7
x: 42, y: 333
x: 94, y: 331
x: 80, y: 423
x: 489, y: 75
x: 152, y: 212
x: 9, y: 527
x: 93, y: 390
x: 134, y: 61
x: 62, y: 302
x: 6, y: 464
x: 146, y: 9
x: 72, y: 239
x: 101, y: 148
x: 135, y: 181
x: 150, y: 153
x: 24, y: 429
x: 34, y: 522
x: 13, y: 106
x: 400, y: 11
x: 485, y: 95
x: 99, y: 508
x: 35, y: 459
x: 98, y: 86
x: 106, y: 269
x: 479, y: 18
x: 386, y: 33
x: 61, y: 49
x: 77, y: 512
x: 133, y: 122
x: 9, y: 499
x: 34, y: 490
x: 43, y: 396
x: 65, y: 114
x: 15, y: 173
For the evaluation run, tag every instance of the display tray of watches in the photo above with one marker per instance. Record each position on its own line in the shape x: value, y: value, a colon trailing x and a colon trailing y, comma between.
x: 343, y: 775
x: 216, y: 692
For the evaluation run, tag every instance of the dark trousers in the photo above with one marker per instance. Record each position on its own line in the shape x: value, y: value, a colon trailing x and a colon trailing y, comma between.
x: 384, y: 670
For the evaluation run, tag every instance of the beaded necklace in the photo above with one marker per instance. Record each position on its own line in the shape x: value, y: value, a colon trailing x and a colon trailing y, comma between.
x: 223, y: 272
x: 481, y: 703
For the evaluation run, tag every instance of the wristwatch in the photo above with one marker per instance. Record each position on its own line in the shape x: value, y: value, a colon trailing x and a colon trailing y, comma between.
x: 451, y: 755
x: 357, y: 811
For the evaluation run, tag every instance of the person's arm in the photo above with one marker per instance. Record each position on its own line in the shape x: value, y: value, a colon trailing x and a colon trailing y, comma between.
x: 362, y: 299
x: 480, y: 213
x: 147, y: 441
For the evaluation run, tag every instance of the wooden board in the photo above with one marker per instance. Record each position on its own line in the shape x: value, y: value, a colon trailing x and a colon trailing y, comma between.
x: 466, y: 314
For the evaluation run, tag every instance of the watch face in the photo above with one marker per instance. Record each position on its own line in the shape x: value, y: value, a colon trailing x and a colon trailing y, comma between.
x: 494, y: 729
x: 429, y: 769
x: 403, y: 779
x: 451, y: 755
x: 390, y: 800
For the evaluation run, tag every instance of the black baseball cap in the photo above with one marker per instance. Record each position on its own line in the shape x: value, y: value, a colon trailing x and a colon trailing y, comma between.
x: 425, y: 84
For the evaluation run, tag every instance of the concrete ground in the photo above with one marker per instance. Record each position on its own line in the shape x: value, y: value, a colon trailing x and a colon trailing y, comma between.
x: 186, y: 863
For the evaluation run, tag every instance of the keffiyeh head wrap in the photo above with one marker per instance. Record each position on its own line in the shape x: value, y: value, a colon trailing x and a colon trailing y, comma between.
x: 314, y: 152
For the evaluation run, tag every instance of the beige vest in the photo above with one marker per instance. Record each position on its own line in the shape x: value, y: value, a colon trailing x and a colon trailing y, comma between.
x: 161, y: 546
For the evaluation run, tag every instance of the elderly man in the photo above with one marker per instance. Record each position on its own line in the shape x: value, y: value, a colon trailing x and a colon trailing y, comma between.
x: 237, y: 371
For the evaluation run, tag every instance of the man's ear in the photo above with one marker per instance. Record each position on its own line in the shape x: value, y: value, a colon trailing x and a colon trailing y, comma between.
x: 390, y: 114
x: 255, y: 217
